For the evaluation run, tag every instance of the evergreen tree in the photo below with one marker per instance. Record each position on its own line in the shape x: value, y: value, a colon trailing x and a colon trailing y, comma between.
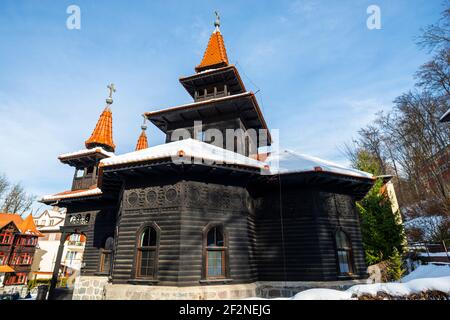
x: 381, y: 232
x: 395, y: 265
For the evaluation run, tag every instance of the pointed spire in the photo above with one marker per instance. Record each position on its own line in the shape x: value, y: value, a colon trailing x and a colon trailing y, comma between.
x: 102, y: 134
x: 215, y: 55
x: 142, y: 142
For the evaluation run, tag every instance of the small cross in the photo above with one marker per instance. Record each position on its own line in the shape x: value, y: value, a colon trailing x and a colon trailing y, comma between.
x: 112, y: 88
x: 217, y: 22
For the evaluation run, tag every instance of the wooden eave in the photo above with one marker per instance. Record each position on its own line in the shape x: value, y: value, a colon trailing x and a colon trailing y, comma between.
x: 227, y: 75
x: 244, y: 106
x: 81, y: 161
x: 339, y: 183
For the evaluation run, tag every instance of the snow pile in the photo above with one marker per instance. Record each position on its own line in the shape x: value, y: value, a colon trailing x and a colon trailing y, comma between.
x: 287, y: 161
x: 322, y: 294
x: 428, y: 271
x: 424, y: 278
x: 189, y: 148
x: 402, y: 289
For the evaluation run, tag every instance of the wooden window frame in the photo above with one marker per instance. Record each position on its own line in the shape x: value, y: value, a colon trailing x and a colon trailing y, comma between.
x: 347, y: 250
x: 3, y: 236
x: 103, y: 252
x: 3, y: 258
x: 223, y: 249
x: 13, y: 279
x: 139, y: 249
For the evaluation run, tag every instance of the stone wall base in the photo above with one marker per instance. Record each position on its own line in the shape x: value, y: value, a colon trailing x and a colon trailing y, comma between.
x: 261, y: 289
x: 89, y: 288
x: 286, y: 289
x: 98, y: 288
x: 214, y: 292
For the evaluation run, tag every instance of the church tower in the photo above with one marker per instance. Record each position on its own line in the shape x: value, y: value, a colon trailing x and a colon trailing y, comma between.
x: 100, y: 145
x: 221, y: 103
x: 142, y: 142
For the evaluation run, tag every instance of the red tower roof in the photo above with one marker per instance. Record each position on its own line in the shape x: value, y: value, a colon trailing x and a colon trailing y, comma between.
x: 215, y: 55
x: 142, y: 142
x: 102, y: 134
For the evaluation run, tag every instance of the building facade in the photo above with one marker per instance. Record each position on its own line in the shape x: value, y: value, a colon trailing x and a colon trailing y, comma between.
x: 18, y: 240
x: 203, y: 216
x: 49, y: 223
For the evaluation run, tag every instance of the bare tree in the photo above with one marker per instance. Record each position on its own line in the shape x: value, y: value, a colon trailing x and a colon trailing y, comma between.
x: 3, y: 185
x: 437, y: 36
x: 14, y: 198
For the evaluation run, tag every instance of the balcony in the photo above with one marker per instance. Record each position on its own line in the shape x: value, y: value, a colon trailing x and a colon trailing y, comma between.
x: 75, y: 243
x: 84, y: 182
x: 206, y: 95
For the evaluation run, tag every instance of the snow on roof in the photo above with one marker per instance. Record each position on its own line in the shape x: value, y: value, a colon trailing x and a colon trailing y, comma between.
x: 286, y: 161
x: 85, y: 152
x: 72, y: 194
x: 190, y: 148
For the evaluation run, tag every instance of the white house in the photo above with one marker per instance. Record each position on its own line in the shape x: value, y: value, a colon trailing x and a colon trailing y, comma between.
x: 49, y: 223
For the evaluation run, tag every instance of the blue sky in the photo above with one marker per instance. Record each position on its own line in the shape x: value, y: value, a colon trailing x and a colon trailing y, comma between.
x: 322, y: 74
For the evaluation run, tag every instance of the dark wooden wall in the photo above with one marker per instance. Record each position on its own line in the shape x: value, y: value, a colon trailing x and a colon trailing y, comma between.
x: 268, y: 240
x: 101, y: 226
x: 296, y: 242
x: 182, y: 210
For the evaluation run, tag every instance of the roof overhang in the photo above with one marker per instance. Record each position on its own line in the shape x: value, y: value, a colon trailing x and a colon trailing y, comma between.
x: 165, y: 169
x: 328, y: 181
x: 243, y: 106
x: 85, y: 157
x: 227, y: 75
x: 70, y: 196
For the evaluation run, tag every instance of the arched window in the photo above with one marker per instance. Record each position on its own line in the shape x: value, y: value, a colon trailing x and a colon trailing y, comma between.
x: 344, y: 253
x: 215, y: 259
x: 106, y: 255
x: 146, y: 253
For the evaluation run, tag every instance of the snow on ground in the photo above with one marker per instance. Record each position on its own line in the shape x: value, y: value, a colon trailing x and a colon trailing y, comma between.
x: 433, y: 254
x: 428, y: 271
x: 425, y: 278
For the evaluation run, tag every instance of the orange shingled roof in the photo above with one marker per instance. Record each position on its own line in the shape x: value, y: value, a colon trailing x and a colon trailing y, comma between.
x: 6, y: 218
x: 102, y: 134
x: 26, y: 226
x: 29, y: 227
x: 215, y: 55
x: 142, y: 142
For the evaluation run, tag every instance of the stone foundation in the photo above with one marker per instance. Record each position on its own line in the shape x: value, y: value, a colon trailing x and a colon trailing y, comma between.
x: 140, y: 292
x: 89, y: 288
x: 98, y: 288
x: 286, y: 289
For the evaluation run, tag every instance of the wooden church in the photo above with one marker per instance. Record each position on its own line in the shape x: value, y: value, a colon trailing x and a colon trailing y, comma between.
x: 197, y: 219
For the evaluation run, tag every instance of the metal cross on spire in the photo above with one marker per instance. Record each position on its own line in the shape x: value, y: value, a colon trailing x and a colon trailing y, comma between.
x: 217, y: 22
x: 112, y: 89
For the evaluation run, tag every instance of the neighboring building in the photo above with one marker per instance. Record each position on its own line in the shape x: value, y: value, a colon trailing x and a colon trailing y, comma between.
x: 389, y: 189
x: 228, y: 224
x: 436, y: 172
x: 18, y: 240
x: 49, y: 223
